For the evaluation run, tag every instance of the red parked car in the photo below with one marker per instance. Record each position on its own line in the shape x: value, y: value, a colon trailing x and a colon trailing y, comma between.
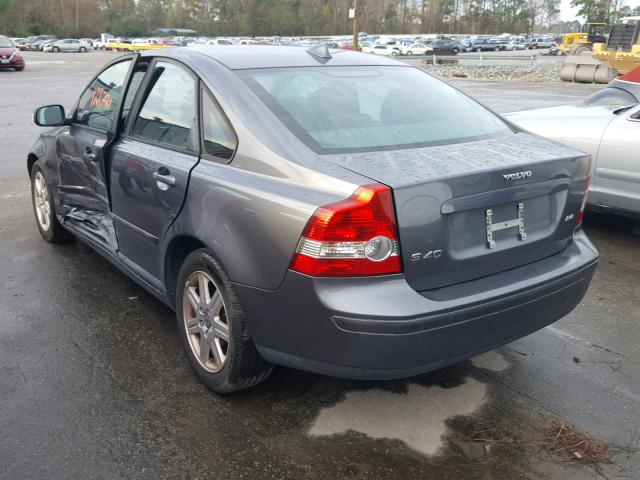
x: 10, y: 56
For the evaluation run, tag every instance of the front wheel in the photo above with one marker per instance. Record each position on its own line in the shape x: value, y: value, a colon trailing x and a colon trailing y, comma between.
x: 56, y: 50
x: 409, y: 52
x: 43, y: 208
x: 82, y: 49
x: 213, y: 329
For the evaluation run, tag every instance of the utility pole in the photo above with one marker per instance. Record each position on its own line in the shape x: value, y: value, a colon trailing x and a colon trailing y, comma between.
x: 355, y: 25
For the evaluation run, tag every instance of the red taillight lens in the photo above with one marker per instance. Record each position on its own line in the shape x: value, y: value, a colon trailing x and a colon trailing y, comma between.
x: 580, y: 216
x: 356, y: 236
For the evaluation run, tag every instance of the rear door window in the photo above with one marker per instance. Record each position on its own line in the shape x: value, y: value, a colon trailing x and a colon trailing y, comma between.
x: 167, y: 114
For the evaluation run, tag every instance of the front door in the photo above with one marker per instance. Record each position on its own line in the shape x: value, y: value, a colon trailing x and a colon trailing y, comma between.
x: 81, y: 156
x: 617, y: 169
x: 151, y: 164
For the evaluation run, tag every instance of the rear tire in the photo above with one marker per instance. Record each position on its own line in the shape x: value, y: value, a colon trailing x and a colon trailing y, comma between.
x: 207, y: 311
x: 43, y: 208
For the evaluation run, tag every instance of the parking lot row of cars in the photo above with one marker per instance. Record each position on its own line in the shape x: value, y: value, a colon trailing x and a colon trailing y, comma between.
x: 376, y: 45
x: 451, y: 46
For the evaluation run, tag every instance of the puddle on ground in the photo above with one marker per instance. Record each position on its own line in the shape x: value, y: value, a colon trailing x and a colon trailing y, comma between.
x: 491, y: 361
x: 416, y: 417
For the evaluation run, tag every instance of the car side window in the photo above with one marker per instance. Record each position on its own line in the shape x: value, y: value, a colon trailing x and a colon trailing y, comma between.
x: 167, y: 113
x: 100, y: 101
x: 218, y: 138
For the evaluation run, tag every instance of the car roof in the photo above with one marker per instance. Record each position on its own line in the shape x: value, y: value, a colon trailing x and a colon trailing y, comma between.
x: 238, y: 57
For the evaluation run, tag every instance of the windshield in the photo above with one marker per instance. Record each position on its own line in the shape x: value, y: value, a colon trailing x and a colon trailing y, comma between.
x: 368, y: 108
x: 5, y: 42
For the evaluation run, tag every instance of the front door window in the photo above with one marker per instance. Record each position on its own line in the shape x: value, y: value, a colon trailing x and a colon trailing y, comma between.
x: 100, y: 101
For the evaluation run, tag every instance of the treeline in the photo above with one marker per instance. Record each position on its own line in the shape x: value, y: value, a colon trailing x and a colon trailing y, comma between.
x: 88, y: 18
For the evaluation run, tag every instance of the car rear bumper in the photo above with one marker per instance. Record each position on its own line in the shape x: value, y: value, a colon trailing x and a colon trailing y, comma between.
x: 380, y: 328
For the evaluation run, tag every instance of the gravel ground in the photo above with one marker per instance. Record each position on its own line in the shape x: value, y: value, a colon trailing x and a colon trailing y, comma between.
x: 545, y: 72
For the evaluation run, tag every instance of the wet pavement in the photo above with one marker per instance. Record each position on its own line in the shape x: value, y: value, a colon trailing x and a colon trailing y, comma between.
x: 93, y: 383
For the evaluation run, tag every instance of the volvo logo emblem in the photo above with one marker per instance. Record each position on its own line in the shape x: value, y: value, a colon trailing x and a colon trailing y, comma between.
x: 517, y: 175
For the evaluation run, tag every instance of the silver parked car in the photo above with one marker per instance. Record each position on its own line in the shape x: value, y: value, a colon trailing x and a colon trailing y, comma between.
x: 340, y: 213
x: 609, y: 130
x: 67, y: 45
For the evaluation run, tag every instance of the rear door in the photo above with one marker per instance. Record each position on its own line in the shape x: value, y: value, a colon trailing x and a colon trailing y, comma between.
x: 152, y: 161
x: 617, y: 170
x: 81, y: 155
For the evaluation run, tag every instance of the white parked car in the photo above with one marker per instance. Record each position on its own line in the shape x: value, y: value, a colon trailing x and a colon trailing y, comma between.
x: 387, y: 50
x: 416, y: 49
x: 67, y: 45
x: 607, y: 127
x: 219, y: 41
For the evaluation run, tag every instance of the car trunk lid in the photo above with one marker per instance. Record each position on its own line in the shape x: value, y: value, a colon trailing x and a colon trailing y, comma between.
x: 471, y: 209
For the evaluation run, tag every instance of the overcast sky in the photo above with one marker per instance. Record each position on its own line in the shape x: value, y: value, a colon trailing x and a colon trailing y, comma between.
x: 568, y: 13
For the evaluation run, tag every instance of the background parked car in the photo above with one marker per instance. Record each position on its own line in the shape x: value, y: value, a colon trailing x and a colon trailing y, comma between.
x: 541, y: 42
x: 446, y: 46
x: 488, y: 45
x: 415, y: 49
x: 10, y: 57
x: 34, y: 43
x: 517, y: 44
x: 39, y: 45
x: 66, y: 45
x: 607, y: 126
x: 387, y: 50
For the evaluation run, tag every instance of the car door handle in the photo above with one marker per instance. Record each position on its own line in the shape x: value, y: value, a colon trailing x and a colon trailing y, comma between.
x: 163, y: 176
x: 90, y: 156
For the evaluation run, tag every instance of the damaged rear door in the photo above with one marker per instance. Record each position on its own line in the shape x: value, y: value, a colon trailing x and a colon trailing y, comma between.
x: 82, y: 156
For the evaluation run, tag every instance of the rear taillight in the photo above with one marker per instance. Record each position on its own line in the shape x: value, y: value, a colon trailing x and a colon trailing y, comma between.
x: 584, y: 198
x: 356, y: 236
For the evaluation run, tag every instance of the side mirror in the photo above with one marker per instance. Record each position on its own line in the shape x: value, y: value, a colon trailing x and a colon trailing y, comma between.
x: 50, y: 116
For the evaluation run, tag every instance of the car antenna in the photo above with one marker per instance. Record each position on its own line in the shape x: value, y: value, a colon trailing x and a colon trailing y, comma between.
x: 320, y: 51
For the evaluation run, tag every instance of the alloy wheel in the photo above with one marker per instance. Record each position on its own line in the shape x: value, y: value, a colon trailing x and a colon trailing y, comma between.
x: 205, y: 320
x: 41, y: 201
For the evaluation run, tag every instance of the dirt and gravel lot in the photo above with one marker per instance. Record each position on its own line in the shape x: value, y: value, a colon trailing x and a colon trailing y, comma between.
x: 93, y: 383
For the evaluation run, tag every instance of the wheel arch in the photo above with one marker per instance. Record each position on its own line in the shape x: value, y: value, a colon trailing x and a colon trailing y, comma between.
x: 177, y: 250
x: 32, y: 158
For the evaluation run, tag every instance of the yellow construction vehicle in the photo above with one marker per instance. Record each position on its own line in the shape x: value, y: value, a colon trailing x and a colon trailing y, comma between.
x: 581, y: 43
x: 622, y: 50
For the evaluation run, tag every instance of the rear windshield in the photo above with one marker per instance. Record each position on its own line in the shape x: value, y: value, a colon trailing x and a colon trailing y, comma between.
x: 369, y: 108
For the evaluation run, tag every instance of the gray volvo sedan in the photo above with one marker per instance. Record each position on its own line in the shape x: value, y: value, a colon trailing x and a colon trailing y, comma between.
x: 335, y: 212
